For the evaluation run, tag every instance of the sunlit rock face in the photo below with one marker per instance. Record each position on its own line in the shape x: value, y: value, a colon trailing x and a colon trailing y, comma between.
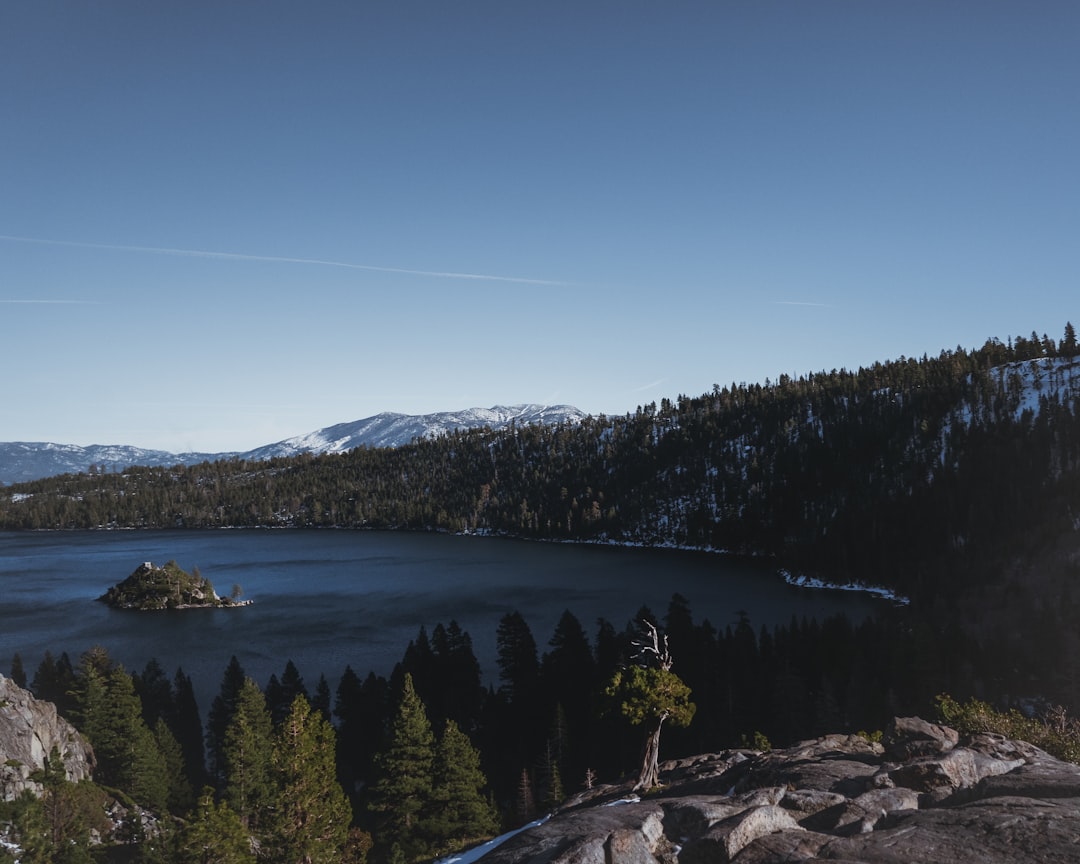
x: 29, y: 730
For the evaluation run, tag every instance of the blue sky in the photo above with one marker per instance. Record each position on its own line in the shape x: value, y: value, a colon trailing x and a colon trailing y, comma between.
x: 223, y: 224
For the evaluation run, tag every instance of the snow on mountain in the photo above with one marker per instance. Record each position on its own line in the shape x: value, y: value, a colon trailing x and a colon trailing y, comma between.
x: 31, y: 460
x: 22, y: 461
x: 393, y: 430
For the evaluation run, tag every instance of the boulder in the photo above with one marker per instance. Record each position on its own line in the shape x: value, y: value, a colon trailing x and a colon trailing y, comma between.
x: 908, y: 737
x: 928, y: 796
x: 29, y: 730
x: 985, y: 832
x: 630, y: 829
x: 730, y: 836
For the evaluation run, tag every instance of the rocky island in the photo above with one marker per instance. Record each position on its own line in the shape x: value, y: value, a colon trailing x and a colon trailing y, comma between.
x: 151, y: 587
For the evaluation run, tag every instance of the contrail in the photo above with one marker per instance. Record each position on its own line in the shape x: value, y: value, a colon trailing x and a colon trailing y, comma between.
x: 799, y: 303
x: 54, y: 302
x: 238, y: 256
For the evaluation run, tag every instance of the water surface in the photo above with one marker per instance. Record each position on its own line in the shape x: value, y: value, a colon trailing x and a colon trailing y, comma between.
x: 326, y: 598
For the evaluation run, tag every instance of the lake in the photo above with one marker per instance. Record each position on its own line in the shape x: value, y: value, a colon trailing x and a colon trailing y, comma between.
x: 328, y: 598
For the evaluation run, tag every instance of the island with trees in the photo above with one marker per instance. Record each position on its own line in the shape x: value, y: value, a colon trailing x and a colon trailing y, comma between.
x: 151, y: 587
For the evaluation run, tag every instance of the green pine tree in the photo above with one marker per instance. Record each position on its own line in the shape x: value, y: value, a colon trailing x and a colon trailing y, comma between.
x: 214, y: 835
x: 109, y: 714
x: 128, y: 746
x: 461, y: 815
x: 402, y: 792
x: 181, y: 796
x: 248, y: 752
x: 312, y: 813
x: 650, y: 695
x: 18, y: 673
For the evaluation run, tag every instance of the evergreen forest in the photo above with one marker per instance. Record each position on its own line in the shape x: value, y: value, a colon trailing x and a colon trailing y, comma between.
x: 952, y: 480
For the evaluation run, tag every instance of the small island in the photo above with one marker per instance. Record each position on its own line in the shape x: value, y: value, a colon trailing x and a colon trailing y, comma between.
x: 151, y: 587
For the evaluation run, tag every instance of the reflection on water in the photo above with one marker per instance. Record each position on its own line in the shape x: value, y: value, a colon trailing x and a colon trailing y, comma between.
x: 327, y: 599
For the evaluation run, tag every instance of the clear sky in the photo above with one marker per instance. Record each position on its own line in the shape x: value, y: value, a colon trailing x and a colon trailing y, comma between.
x: 224, y: 224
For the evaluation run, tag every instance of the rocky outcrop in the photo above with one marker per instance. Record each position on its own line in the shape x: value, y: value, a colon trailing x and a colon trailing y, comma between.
x: 151, y: 587
x: 925, y: 795
x: 29, y: 730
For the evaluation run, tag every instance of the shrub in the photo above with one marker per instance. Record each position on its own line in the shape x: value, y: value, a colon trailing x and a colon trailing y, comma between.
x: 1053, y: 731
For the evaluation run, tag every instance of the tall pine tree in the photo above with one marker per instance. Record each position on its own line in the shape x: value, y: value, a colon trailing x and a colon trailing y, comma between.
x: 460, y: 815
x: 249, y: 786
x: 402, y: 793
x: 312, y: 814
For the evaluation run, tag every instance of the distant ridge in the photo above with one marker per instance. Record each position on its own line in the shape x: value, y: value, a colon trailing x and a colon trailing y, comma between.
x: 393, y: 430
x: 21, y: 461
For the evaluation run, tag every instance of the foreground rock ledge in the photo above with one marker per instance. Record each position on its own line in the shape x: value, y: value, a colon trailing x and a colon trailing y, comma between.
x: 926, y: 795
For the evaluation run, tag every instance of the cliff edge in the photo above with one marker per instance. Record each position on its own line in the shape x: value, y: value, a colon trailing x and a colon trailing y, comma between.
x: 925, y: 795
x: 29, y: 729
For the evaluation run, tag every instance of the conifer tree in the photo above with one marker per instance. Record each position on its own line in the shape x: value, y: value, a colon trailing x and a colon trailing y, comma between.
x: 280, y: 694
x: 181, y: 795
x: 214, y: 835
x: 155, y: 692
x: 312, y: 813
x: 249, y: 786
x: 18, y: 673
x: 58, y: 830
x: 461, y: 814
x: 402, y: 793
x: 1068, y: 345
x: 321, y: 700
x: 648, y: 696
x: 525, y: 802
x: 186, y: 724
x: 128, y: 747
x: 221, y: 713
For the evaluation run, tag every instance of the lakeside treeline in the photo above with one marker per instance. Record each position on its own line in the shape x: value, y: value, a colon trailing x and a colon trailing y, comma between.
x: 896, y: 474
x: 546, y: 730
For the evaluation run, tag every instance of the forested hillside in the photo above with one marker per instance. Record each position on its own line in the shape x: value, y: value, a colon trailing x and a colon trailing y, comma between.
x: 954, y: 479
x: 879, y: 475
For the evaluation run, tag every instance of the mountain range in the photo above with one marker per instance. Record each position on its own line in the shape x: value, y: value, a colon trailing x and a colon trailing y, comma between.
x: 22, y: 461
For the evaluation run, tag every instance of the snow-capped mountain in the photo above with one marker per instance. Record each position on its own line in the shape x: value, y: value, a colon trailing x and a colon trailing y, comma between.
x: 393, y: 430
x: 21, y: 461
x: 31, y: 460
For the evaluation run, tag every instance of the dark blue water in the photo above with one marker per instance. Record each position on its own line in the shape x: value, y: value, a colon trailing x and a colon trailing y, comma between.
x: 327, y: 599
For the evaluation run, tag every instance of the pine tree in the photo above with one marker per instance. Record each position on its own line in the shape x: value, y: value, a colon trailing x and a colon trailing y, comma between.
x: 221, y: 713
x: 155, y: 692
x: 402, y: 793
x: 128, y: 747
x: 18, y: 674
x: 181, y: 795
x: 1068, y: 345
x: 249, y: 786
x: 461, y: 815
x: 519, y: 669
x: 280, y: 695
x: 321, y: 700
x: 648, y: 696
x: 186, y: 724
x: 525, y: 805
x: 63, y: 837
x: 312, y: 813
x: 214, y: 835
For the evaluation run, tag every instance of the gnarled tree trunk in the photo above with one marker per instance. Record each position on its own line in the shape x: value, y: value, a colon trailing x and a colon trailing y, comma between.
x: 650, y: 758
